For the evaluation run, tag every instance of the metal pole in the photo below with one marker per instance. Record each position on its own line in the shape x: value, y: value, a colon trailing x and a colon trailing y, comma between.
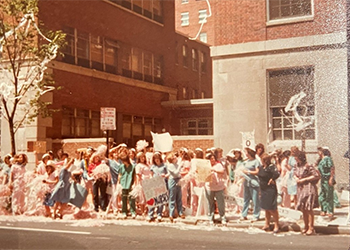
x: 348, y: 64
x: 107, y: 143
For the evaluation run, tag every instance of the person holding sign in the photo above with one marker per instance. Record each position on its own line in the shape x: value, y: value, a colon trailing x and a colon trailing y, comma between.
x: 158, y: 169
x: 215, y: 189
x: 175, y: 194
x: 251, y: 185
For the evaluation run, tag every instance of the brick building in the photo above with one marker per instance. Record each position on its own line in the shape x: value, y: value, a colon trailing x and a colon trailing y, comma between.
x: 195, y: 19
x: 267, y: 51
x: 123, y: 54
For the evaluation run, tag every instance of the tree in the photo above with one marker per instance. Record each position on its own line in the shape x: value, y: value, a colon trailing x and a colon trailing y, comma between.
x: 25, y: 51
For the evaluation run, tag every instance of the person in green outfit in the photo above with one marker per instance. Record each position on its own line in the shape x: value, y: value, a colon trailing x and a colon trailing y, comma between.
x: 127, y: 178
x: 326, y: 169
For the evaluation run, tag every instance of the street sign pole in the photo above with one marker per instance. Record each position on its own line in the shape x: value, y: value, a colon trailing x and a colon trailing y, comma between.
x: 108, y: 122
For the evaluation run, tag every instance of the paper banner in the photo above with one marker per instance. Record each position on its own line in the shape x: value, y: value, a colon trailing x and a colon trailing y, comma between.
x: 162, y: 142
x: 203, y: 170
x: 155, y: 191
x: 248, y: 139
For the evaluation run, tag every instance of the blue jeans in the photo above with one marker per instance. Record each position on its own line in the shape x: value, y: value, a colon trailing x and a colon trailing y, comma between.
x: 220, y: 199
x: 159, y: 211
x: 175, y: 200
x: 251, y: 193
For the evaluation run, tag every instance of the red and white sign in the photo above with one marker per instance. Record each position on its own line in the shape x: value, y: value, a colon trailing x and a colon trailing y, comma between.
x: 108, y: 119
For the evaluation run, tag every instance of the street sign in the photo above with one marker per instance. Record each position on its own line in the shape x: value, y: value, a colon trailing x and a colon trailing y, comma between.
x: 108, y: 119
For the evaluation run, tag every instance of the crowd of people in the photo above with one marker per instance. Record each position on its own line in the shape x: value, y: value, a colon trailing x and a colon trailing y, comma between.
x: 110, y: 181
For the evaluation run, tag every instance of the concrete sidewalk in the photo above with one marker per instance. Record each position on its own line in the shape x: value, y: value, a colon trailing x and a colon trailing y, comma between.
x: 323, y: 225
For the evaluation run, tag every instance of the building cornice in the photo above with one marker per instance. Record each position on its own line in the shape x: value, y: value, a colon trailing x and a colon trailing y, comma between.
x: 332, y: 40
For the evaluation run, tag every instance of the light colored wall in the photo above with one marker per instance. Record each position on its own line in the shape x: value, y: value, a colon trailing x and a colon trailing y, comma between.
x: 241, y: 98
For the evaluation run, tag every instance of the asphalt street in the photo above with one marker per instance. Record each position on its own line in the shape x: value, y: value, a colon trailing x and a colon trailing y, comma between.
x: 53, y: 235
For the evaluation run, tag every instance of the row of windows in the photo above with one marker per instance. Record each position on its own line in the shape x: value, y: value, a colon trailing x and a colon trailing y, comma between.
x: 185, y: 17
x: 199, y: 126
x: 112, y: 56
x: 151, y: 9
x: 80, y: 123
x: 139, y: 128
x: 194, y: 59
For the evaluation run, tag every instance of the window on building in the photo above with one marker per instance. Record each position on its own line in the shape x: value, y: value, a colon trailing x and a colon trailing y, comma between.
x: 195, y: 60
x: 137, y: 63
x: 147, y: 66
x: 80, y: 123
x: 83, y: 49
x: 202, y: 16
x: 203, y: 37
x: 280, y: 9
x: 69, y: 49
x: 139, y: 127
x: 184, y: 1
x: 157, y: 10
x: 197, y: 126
x: 97, y: 52
x: 151, y: 9
x: 185, y: 18
x: 283, y: 84
x: 111, y: 56
x: 104, y: 54
x: 203, y: 62
x: 185, y: 60
x: 184, y: 93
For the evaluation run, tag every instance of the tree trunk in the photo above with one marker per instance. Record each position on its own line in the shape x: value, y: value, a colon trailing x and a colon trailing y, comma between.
x: 12, y: 136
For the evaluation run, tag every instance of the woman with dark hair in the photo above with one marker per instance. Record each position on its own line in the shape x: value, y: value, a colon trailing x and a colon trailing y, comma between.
x: 307, y: 177
x: 326, y: 195
x: 268, y: 173
x: 17, y: 183
x: 259, y: 150
x: 251, y: 185
x: 158, y: 169
x: 215, y: 189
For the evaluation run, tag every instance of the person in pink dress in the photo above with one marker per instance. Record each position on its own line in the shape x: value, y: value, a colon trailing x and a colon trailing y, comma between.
x: 17, y: 184
x: 143, y: 172
x: 185, y: 166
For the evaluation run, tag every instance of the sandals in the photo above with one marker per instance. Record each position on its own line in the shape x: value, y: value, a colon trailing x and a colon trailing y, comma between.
x: 304, y: 230
x: 266, y: 228
x: 310, y: 232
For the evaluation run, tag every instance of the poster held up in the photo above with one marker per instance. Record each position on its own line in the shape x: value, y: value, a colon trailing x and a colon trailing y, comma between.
x: 162, y: 142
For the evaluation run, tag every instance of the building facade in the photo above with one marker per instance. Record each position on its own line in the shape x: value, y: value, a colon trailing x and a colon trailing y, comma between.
x: 127, y: 55
x: 265, y: 52
x: 195, y: 19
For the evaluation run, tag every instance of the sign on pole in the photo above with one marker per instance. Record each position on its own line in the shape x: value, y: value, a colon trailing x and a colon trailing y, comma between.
x: 108, y: 119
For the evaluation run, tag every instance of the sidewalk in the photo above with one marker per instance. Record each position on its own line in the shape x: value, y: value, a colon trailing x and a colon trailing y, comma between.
x: 338, y: 225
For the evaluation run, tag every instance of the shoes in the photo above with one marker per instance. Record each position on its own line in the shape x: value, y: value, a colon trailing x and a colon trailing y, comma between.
x: 133, y: 216
x: 171, y: 219
x: 149, y: 219
x: 323, y: 213
x: 159, y: 218
x: 182, y: 216
x: 304, y: 230
x: 124, y: 216
x: 254, y: 219
x: 275, y: 231
x: 243, y: 218
x: 266, y: 228
x: 224, y: 222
